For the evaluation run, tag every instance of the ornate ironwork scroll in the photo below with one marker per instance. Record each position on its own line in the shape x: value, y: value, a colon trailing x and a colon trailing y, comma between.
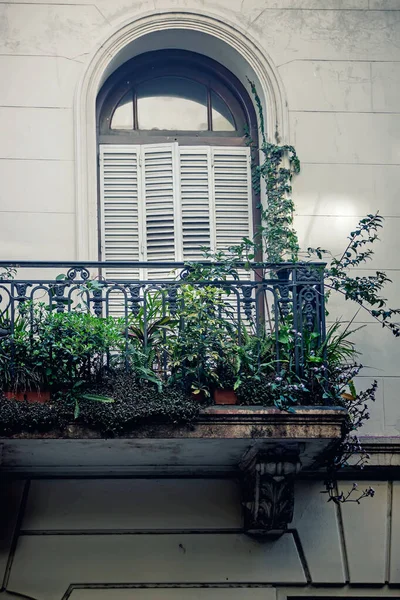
x: 292, y: 295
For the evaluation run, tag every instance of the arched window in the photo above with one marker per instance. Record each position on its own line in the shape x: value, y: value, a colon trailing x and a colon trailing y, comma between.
x: 175, y: 173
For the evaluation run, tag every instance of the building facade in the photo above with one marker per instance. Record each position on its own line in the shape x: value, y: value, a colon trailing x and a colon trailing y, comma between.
x: 328, y: 76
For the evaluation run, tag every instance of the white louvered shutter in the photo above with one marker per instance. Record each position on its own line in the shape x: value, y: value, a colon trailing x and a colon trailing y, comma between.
x: 196, y: 201
x: 232, y: 199
x: 215, y: 198
x: 160, y: 202
x: 216, y: 202
x: 231, y: 175
x: 120, y: 222
x: 119, y: 190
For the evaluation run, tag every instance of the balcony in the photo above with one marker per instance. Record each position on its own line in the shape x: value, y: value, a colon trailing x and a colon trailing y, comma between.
x: 135, y: 354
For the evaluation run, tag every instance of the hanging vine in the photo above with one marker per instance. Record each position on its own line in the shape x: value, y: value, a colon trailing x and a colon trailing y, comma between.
x: 280, y: 240
x: 280, y: 243
x: 278, y: 166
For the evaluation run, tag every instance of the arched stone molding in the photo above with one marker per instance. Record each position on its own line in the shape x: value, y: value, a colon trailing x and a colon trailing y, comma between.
x: 112, y: 52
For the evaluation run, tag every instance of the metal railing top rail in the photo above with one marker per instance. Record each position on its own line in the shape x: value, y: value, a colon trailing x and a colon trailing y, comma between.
x: 155, y: 264
x: 256, y: 271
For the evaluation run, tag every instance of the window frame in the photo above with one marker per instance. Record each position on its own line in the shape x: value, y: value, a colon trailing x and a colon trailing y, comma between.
x: 202, y: 69
x: 180, y: 63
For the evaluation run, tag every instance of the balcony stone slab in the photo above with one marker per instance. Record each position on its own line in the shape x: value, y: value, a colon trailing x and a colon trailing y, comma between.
x: 215, y: 443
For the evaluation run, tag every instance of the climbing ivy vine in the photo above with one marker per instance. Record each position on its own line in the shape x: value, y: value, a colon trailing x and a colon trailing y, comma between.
x: 279, y: 239
x: 279, y: 242
x: 277, y: 167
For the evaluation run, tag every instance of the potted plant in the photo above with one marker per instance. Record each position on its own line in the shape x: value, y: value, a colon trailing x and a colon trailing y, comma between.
x: 148, y: 329
x: 227, y: 382
x: 233, y: 367
x: 49, y: 352
x: 20, y: 376
x: 206, y: 340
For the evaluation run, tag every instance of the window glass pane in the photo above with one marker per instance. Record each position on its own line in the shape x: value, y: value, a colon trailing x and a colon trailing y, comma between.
x: 123, y: 114
x: 172, y: 103
x: 222, y: 119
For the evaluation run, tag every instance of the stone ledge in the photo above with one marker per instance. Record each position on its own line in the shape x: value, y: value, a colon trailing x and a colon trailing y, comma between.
x: 307, y: 422
x: 216, y: 443
x: 227, y: 422
x: 384, y: 452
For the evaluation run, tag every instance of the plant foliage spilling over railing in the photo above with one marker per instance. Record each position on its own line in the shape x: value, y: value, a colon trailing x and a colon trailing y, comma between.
x: 256, y: 328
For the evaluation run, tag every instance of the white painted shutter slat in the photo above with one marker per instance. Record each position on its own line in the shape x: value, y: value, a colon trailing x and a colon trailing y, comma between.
x: 195, y: 200
x: 119, y: 189
x: 159, y: 189
x: 232, y: 195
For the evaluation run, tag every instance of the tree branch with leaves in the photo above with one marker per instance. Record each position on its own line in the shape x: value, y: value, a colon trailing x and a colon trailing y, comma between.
x: 364, y: 290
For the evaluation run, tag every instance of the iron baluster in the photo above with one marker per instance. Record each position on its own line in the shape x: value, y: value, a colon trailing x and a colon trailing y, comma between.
x: 135, y: 299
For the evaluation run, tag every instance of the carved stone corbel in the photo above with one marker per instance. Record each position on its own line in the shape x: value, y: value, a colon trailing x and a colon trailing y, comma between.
x: 268, y: 491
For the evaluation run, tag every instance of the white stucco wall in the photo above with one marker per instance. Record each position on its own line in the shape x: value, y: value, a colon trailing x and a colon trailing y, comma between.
x: 339, y: 65
x: 338, y: 62
x: 161, y: 539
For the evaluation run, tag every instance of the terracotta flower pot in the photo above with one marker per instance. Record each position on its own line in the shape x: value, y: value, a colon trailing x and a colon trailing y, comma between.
x: 41, y: 396
x: 225, y: 397
x: 200, y: 397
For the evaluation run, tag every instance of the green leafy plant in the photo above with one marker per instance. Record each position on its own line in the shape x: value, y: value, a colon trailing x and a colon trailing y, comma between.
x: 149, y: 327
x: 206, y: 340
x: 364, y: 290
x: 137, y: 364
x: 133, y: 402
x: 76, y: 394
x: 8, y: 273
x: 55, y: 350
x: 73, y: 346
x: 18, y: 370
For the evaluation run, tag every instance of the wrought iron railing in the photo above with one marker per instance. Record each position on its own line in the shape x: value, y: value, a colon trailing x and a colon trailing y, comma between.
x: 262, y: 300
